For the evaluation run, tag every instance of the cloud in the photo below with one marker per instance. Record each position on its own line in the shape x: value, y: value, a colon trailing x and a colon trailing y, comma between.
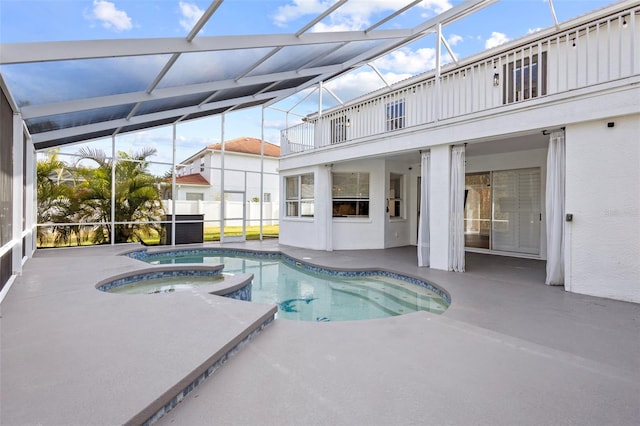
x: 407, y: 61
x: 357, y: 84
x: 191, y: 13
x: 454, y: 39
x: 111, y: 18
x: 296, y: 9
x: 533, y: 30
x: 496, y: 39
x: 351, y: 16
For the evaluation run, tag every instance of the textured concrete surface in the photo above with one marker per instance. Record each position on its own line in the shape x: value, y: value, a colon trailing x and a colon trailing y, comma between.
x: 74, y: 355
x: 509, y: 350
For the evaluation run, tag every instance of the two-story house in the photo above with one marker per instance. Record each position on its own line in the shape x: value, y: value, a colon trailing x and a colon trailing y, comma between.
x: 530, y: 149
x: 248, y: 170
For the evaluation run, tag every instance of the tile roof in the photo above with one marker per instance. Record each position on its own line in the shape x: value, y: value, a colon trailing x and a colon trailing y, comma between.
x: 248, y: 145
x: 192, y: 179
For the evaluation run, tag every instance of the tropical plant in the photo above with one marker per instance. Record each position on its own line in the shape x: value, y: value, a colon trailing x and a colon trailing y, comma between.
x: 57, y: 200
x: 136, y: 195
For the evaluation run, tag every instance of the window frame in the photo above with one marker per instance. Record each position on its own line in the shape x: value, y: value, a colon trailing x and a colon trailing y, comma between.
x: 513, y: 76
x: 295, y: 202
x: 396, y: 202
x: 395, y: 115
x: 355, y: 202
x: 339, y: 126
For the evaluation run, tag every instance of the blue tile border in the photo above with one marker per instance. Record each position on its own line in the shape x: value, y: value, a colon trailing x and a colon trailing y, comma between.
x: 145, y: 256
x: 154, y: 275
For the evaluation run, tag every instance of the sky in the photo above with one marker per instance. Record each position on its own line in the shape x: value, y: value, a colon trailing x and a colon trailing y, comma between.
x: 57, y: 20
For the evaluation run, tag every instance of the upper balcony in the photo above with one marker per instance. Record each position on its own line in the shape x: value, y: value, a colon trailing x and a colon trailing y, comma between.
x: 589, y: 51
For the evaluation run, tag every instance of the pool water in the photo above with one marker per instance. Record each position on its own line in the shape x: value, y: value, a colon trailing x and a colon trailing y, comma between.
x: 302, y: 294
x: 166, y: 284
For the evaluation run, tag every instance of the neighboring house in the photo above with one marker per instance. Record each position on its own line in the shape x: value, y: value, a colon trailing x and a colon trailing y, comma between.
x: 200, y: 178
x: 530, y: 149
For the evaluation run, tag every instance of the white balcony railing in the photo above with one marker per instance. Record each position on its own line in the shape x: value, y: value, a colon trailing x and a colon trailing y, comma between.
x: 600, y: 51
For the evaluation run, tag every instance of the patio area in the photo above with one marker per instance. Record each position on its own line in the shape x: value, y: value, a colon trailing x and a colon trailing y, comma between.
x: 509, y: 350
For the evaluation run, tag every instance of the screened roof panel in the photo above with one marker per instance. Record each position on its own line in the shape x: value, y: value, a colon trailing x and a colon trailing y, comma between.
x: 52, y: 143
x: 77, y: 118
x: 292, y: 58
x: 238, y: 92
x: 149, y: 124
x: 168, y: 104
x: 206, y: 67
x: 41, y: 83
x: 288, y: 84
x: 348, y: 52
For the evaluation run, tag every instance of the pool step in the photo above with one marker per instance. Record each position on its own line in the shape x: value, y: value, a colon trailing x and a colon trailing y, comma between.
x: 407, y: 301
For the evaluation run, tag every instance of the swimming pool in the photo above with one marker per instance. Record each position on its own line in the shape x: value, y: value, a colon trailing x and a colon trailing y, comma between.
x: 309, y: 293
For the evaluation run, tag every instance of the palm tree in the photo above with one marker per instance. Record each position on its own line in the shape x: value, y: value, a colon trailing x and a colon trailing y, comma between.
x: 136, y: 194
x: 57, y: 200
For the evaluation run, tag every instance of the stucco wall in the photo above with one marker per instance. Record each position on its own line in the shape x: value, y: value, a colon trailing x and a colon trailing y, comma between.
x: 602, y: 243
x: 304, y: 232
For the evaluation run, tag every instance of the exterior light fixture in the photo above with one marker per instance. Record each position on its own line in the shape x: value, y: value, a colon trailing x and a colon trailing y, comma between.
x: 496, y: 79
x: 624, y: 22
x: 574, y: 42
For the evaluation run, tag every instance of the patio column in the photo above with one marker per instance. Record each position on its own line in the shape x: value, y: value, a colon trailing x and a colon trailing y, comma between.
x: 323, y: 206
x: 439, y: 185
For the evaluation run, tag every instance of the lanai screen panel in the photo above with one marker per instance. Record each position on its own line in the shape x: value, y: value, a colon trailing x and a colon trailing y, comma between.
x: 207, y: 67
x: 77, y: 118
x: 40, y: 83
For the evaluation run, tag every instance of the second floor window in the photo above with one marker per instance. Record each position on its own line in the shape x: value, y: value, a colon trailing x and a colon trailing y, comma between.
x: 395, y: 115
x: 521, y: 78
x: 350, y: 193
x: 299, y: 194
x: 339, y: 129
x: 201, y: 164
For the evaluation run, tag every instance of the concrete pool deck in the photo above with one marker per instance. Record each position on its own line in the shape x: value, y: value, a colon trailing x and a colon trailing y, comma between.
x: 509, y: 350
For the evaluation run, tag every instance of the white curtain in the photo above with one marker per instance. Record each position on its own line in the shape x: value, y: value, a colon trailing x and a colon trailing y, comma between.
x: 555, y: 208
x: 456, y: 211
x: 424, y: 242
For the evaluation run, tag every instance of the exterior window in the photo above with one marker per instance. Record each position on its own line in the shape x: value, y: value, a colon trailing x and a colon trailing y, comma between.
x: 395, y: 115
x: 521, y: 81
x: 339, y: 129
x: 266, y: 198
x: 350, y: 194
x: 299, y: 195
x: 194, y: 196
x: 201, y: 164
x: 395, y: 205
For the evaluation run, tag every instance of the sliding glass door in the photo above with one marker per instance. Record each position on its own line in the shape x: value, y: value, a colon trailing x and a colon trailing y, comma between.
x: 502, y: 210
x: 477, y: 210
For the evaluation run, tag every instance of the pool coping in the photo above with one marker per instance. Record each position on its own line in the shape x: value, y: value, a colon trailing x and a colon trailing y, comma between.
x: 229, y: 285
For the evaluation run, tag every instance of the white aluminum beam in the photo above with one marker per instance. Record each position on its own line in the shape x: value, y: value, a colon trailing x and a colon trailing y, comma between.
x: 320, y: 17
x: 393, y: 15
x: 16, y: 53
